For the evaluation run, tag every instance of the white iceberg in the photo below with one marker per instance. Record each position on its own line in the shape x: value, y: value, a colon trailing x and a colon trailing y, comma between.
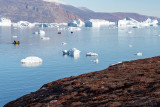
x: 72, y: 52
x: 31, y: 59
x: 97, y: 23
x: 41, y: 32
x: 76, y: 23
x: 128, y: 22
x: 91, y: 54
x: 149, y: 22
x: 5, y: 22
x: 23, y: 24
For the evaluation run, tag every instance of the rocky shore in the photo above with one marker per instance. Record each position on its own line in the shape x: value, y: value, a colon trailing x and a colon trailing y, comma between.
x: 130, y: 83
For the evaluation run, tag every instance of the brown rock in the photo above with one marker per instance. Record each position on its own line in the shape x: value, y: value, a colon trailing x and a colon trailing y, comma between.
x: 131, y: 83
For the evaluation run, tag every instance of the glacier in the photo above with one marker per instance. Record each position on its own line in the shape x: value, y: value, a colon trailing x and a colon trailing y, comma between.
x: 5, y: 22
x: 130, y: 22
x: 98, y: 23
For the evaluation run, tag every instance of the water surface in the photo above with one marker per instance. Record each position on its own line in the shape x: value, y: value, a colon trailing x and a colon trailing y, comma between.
x: 110, y: 43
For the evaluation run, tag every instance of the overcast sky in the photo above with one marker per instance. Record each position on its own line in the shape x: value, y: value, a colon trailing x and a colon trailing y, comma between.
x: 145, y: 7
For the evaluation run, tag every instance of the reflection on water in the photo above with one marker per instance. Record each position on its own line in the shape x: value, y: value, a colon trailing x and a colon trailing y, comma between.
x: 31, y: 64
x: 111, y: 44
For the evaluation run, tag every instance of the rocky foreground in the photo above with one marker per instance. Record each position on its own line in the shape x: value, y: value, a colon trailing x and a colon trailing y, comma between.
x: 131, y: 83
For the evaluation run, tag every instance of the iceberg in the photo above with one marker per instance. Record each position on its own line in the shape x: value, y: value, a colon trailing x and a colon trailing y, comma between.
x: 41, y: 32
x: 31, y: 59
x: 24, y: 24
x: 76, y: 23
x: 72, y: 52
x: 128, y: 22
x: 91, y: 54
x: 149, y: 22
x: 97, y: 23
x: 5, y: 22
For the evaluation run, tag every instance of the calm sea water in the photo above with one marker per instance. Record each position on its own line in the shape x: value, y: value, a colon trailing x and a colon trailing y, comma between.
x: 110, y: 43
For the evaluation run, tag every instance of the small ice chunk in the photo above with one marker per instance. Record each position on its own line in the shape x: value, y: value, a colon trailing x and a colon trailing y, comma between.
x: 45, y: 38
x: 130, y: 46
x: 95, y: 61
x: 64, y: 43
x: 65, y: 52
x: 129, y: 32
x: 139, y: 54
x: 41, y: 32
x: 91, y: 54
x: 74, y: 29
x: 14, y: 36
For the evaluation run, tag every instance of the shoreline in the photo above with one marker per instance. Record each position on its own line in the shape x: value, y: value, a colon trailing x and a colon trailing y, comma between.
x: 130, y: 83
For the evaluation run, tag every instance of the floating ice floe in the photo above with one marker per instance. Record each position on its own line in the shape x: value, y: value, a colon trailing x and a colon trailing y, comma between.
x: 5, y: 22
x: 65, y: 52
x: 97, y: 23
x: 14, y: 36
x: 129, y: 32
x: 40, y: 32
x: 95, y: 61
x: 76, y: 23
x: 71, y: 52
x: 31, y: 59
x: 91, y: 54
x: 130, y: 46
x: 64, y: 43
x: 74, y: 29
x: 45, y: 38
x: 139, y: 54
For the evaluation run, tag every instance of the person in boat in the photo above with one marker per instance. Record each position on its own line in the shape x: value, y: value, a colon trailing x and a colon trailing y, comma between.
x: 16, y: 42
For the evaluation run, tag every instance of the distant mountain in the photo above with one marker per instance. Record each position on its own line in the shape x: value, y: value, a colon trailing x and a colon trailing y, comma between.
x: 86, y: 14
x: 34, y: 11
x: 41, y: 11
